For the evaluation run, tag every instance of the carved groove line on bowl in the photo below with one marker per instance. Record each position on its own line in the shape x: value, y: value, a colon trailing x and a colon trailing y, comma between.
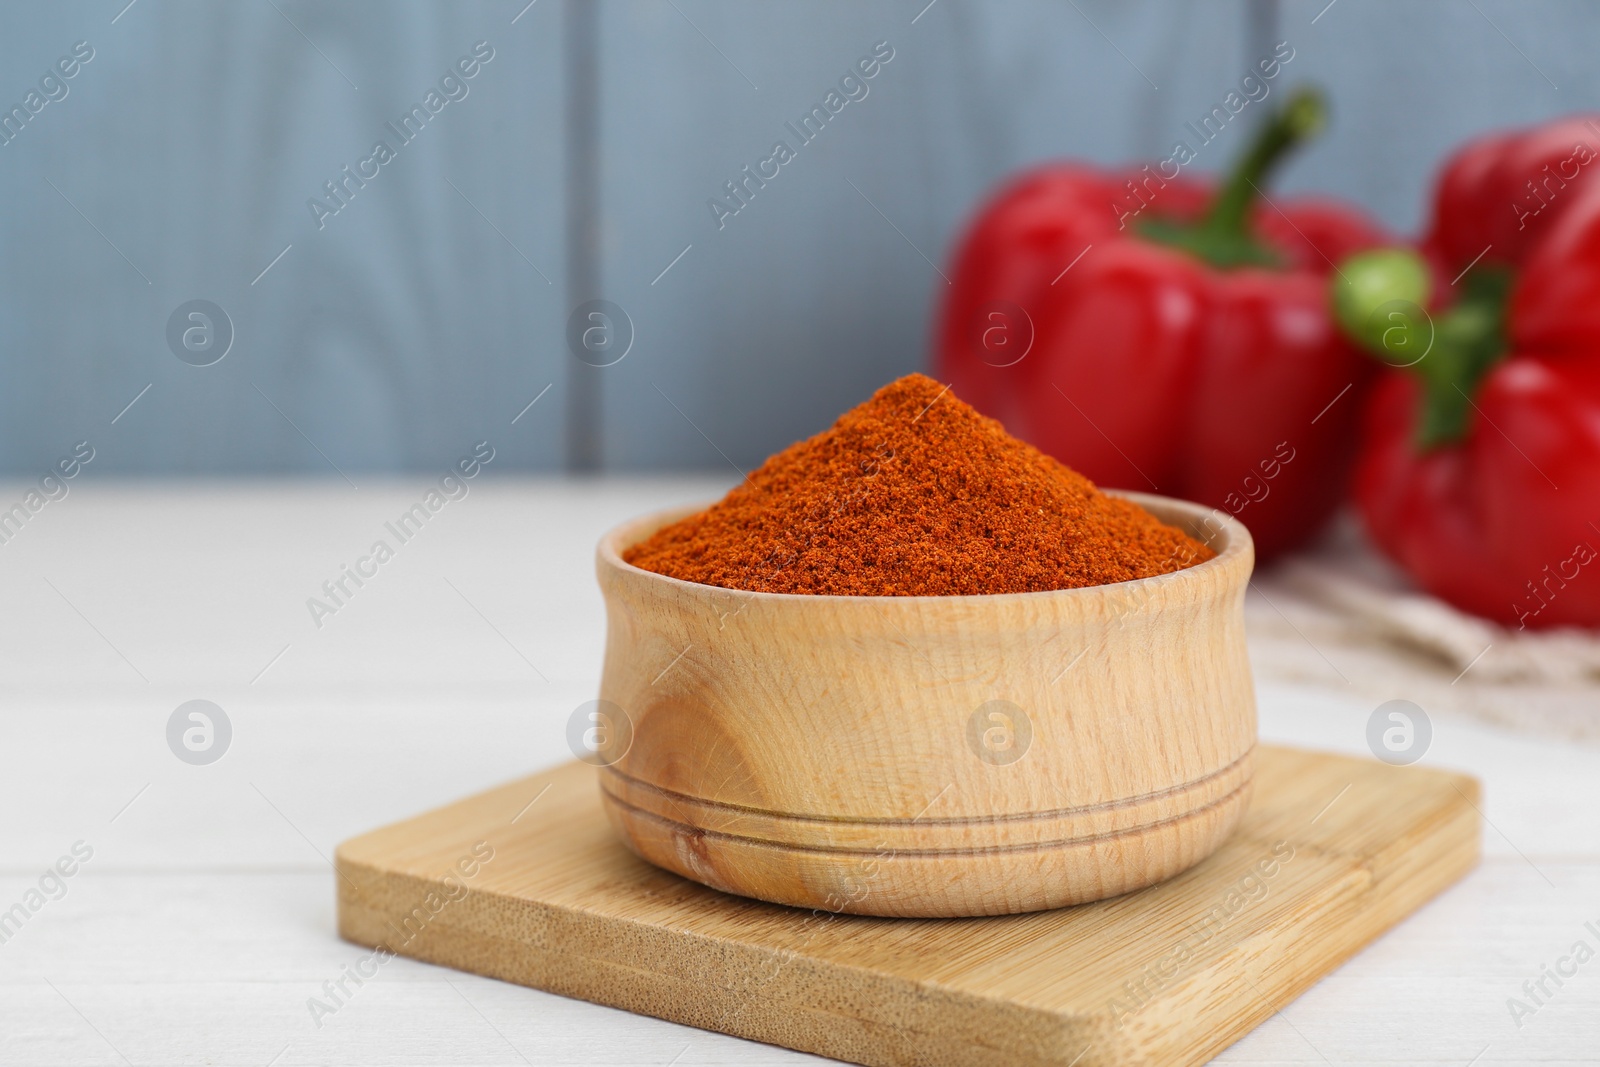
x: 678, y: 799
x: 1193, y: 815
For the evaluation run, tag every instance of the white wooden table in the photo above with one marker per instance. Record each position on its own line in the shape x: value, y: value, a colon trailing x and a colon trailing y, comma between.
x: 204, y: 920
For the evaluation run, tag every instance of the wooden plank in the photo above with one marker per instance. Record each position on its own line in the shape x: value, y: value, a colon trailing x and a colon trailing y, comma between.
x: 408, y: 293
x: 527, y: 883
x: 817, y: 292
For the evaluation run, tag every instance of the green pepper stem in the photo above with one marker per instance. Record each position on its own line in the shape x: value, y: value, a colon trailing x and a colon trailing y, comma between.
x: 1223, y: 238
x: 1379, y: 301
x: 1301, y: 118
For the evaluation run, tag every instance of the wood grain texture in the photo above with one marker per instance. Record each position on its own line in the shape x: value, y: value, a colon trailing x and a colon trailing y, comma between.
x: 930, y: 756
x: 1333, y: 851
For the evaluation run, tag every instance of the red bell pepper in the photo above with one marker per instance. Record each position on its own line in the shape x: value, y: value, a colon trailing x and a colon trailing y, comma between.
x: 1480, y: 474
x: 1153, y: 332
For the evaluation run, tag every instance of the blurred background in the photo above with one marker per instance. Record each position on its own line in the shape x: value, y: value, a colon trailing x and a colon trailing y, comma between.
x: 433, y: 306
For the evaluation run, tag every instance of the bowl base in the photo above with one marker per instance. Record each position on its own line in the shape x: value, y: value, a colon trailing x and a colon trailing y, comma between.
x: 893, y: 881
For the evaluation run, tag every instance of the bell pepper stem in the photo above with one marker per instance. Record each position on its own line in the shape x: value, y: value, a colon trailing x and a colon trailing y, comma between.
x: 1380, y: 301
x: 1222, y: 237
x: 1300, y: 119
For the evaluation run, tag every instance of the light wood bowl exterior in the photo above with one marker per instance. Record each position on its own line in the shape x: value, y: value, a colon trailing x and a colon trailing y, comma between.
x: 841, y: 753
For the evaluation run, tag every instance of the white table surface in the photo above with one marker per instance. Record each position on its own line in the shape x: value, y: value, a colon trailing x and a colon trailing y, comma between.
x: 205, y: 919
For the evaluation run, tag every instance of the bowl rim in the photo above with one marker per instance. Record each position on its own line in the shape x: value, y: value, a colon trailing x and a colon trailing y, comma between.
x: 1238, y: 544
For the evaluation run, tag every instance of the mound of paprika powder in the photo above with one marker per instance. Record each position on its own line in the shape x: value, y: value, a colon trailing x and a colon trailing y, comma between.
x: 914, y: 493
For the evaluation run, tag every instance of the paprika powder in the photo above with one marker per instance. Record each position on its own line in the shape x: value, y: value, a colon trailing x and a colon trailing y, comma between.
x: 914, y: 493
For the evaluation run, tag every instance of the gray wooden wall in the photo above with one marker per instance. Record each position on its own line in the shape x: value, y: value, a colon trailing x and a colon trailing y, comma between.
x: 431, y: 309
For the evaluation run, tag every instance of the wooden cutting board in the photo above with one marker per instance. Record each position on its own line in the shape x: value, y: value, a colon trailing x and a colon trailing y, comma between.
x: 528, y: 883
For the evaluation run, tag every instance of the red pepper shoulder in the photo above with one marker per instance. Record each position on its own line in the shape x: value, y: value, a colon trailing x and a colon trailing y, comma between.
x: 1314, y: 233
x: 1499, y: 195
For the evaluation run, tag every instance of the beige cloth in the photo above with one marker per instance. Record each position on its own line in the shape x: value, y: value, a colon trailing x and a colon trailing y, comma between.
x: 1341, y: 615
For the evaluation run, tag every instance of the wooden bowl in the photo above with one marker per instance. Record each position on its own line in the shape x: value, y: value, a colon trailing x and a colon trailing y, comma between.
x: 928, y: 756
